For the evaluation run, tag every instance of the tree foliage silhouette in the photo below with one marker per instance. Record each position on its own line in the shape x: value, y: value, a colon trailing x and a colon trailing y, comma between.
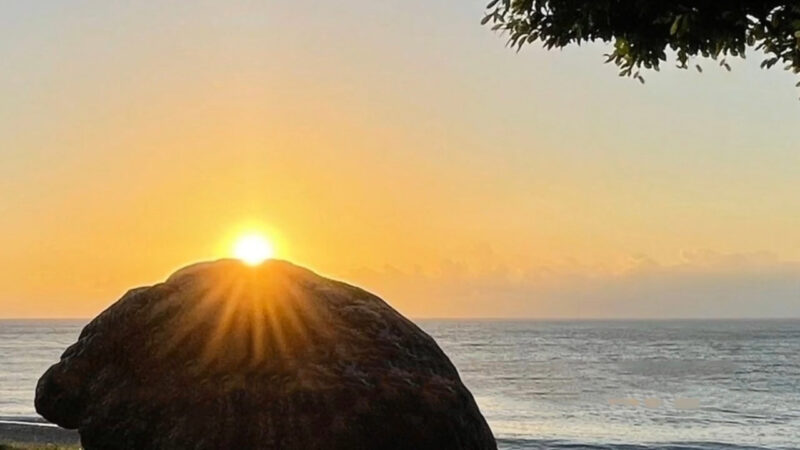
x: 643, y: 31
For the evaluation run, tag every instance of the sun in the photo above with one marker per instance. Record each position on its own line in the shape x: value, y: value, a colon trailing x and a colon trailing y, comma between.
x: 253, y: 249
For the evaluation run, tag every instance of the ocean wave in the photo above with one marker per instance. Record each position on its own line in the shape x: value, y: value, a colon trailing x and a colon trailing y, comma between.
x: 26, y: 420
x: 520, y: 443
x: 544, y: 444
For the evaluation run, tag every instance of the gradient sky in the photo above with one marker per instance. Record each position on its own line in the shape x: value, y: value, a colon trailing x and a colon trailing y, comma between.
x: 395, y: 144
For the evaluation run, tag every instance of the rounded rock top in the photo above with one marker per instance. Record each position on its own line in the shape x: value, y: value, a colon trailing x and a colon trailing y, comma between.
x: 223, y: 355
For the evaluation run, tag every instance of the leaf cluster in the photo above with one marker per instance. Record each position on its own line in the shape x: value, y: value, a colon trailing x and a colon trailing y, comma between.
x: 642, y: 31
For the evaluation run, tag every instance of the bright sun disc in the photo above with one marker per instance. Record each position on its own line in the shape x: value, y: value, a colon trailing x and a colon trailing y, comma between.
x: 253, y: 249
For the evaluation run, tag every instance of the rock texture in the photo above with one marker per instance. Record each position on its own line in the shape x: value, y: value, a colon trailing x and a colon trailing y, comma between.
x: 227, y: 356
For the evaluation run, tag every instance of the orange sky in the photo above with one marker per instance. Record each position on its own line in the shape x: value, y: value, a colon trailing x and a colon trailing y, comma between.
x: 413, y: 155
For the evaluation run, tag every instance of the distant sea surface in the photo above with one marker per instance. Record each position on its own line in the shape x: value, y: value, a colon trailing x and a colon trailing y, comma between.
x: 567, y: 385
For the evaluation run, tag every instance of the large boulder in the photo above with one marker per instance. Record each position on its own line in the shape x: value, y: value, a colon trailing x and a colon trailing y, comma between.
x: 228, y: 356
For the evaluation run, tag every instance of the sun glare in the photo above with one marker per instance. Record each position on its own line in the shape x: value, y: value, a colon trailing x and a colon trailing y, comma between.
x: 253, y: 249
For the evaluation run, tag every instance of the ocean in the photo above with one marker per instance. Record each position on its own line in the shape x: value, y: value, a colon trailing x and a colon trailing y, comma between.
x: 567, y: 384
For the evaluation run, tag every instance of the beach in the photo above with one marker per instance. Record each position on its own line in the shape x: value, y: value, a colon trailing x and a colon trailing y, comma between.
x: 21, y: 434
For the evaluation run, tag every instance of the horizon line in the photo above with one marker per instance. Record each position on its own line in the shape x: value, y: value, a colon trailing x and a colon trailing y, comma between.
x: 504, y: 319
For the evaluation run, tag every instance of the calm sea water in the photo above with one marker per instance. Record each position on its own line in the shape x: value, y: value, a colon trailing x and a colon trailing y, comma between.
x: 576, y: 385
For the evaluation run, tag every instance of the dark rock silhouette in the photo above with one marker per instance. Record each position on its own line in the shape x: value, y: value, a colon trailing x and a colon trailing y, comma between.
x: 227, y: 356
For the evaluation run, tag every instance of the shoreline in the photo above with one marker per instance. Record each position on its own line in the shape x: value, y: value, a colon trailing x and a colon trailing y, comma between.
x: 21, y: 432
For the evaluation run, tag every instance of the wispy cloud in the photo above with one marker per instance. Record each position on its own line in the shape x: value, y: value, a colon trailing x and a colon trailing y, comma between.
x: 703, y: 284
